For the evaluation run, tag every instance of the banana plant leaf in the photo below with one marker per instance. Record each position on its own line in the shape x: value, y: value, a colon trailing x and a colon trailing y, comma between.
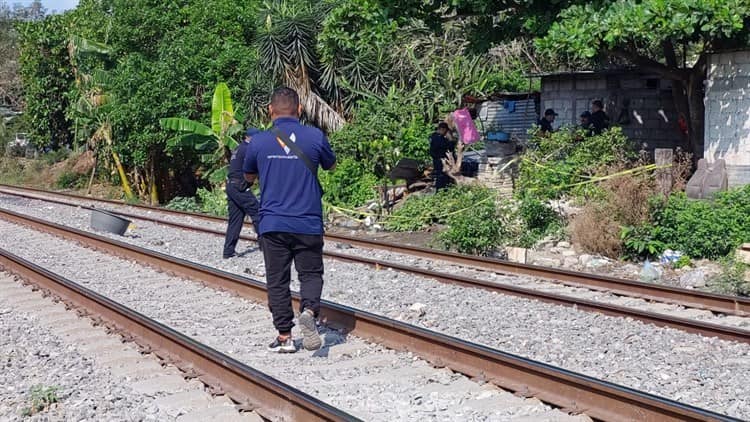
x: 186, y: 125
x: 222, y: 112
x: 187, y: 141
x: 219, y: 175
x: 89, y: 46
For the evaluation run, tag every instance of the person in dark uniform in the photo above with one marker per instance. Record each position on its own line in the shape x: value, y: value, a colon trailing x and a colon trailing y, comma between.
x: 286, y: 159
x: 599, y: 119
x: 240, y: 199
x: 545, y: 123
x: 585, y: 124
x: 439, y: 147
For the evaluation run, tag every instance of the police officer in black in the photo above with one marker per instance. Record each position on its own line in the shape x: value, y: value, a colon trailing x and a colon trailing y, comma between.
x: 545, y: 123
x: 439, y: 147
x: 599, y: 119
x: 240, y: 199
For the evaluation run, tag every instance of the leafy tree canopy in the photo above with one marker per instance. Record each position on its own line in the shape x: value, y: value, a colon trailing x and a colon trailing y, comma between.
x: 637, y: 30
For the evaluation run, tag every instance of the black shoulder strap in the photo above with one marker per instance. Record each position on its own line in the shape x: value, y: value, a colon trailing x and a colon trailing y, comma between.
x: 298, y: 152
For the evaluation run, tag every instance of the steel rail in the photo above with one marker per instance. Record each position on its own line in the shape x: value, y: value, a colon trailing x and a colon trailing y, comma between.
x: 571, y: 391
x: 732, y: 305
x: 269, y: 397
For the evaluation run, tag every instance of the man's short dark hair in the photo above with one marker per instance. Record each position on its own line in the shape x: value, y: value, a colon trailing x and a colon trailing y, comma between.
x: 285, y: 100
x: 598, y: 103
x: 443, y: 125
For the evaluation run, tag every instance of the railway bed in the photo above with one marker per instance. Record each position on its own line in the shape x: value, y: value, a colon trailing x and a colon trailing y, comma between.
x: 531, y: 389
x: 368, y: 381
x: 698, y: 312
x: 630, y: 288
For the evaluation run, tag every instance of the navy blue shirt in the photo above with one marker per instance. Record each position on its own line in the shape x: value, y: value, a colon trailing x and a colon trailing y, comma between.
x: 289, y: 192
x: 237, y: 160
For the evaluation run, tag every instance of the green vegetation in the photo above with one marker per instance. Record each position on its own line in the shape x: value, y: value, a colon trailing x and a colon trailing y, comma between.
x: 733, y: 278
x: 212, y: 202
x: 41, y: 398
x: 566, y: 163
x: 700, y: 229
x: 71, y: 180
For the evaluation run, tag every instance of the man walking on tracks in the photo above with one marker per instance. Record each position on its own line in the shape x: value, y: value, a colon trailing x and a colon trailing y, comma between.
x: 240, y: 199
x: 286, y: 159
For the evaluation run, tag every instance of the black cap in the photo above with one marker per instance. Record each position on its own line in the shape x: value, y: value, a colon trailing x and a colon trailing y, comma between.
x: 443, y: 125
x: 550, y: 112
x: 586, y: 114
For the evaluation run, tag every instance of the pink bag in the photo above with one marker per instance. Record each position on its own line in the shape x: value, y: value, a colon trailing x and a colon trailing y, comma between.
x: 467, y: 131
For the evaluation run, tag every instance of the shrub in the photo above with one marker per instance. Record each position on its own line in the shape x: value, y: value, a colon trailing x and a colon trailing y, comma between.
x: 421, y: 211
x: 595, y: 230
x: 475, y: 231
x: 732, y: 279
x: 349, y: 185
x: 623, y: 202
x: 382, y: 132
x: 700, y: 229
x: 562, y: 162
x: 213, y: 202
x: 704, y: 229
x: 71, y: 180
x: 184, y: 204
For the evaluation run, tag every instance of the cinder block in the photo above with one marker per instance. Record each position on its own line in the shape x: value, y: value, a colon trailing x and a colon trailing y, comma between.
x: 518, y: 255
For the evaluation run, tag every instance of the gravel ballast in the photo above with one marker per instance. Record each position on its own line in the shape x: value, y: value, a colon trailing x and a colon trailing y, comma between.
x: 56, y: 366
x: 362, y: 378
x: 701, y: 371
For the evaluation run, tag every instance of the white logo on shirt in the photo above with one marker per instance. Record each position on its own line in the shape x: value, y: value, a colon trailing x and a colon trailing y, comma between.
x: 292, y: 138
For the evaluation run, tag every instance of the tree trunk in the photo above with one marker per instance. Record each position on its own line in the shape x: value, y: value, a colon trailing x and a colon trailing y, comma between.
x: 91, y: 179
x: 123, y: 178
x: 153, y: 191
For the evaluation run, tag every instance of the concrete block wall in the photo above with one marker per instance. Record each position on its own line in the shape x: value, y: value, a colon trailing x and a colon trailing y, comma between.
x: 652, y: 115
x: 727, y: 128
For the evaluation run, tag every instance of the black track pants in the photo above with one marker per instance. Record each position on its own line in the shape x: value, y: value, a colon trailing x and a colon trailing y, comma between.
x: 279, y: 251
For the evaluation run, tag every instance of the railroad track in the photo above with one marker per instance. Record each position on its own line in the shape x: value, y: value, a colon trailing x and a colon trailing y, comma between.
x: 574, y: 392
x: 718, y: 303
x: 731, y: 305
x: 269, y: 397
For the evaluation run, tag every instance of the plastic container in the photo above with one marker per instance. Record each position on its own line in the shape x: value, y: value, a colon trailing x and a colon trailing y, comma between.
x: 499, y: 136
x: 108, y: 222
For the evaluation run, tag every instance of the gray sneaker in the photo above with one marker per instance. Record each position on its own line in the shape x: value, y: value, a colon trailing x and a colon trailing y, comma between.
x: 282, y: 346
x: 310, y: 337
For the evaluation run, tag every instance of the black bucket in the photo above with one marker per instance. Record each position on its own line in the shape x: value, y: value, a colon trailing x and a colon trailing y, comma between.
x: 108, y: 222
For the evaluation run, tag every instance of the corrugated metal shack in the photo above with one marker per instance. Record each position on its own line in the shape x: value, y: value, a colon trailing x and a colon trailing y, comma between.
x: 512, y: 113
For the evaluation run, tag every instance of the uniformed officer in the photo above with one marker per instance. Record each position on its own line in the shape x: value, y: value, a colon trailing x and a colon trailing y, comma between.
x: 545, y: 123
x: 599, y: 119
x: 439, y: 148
x: 240, y: 199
